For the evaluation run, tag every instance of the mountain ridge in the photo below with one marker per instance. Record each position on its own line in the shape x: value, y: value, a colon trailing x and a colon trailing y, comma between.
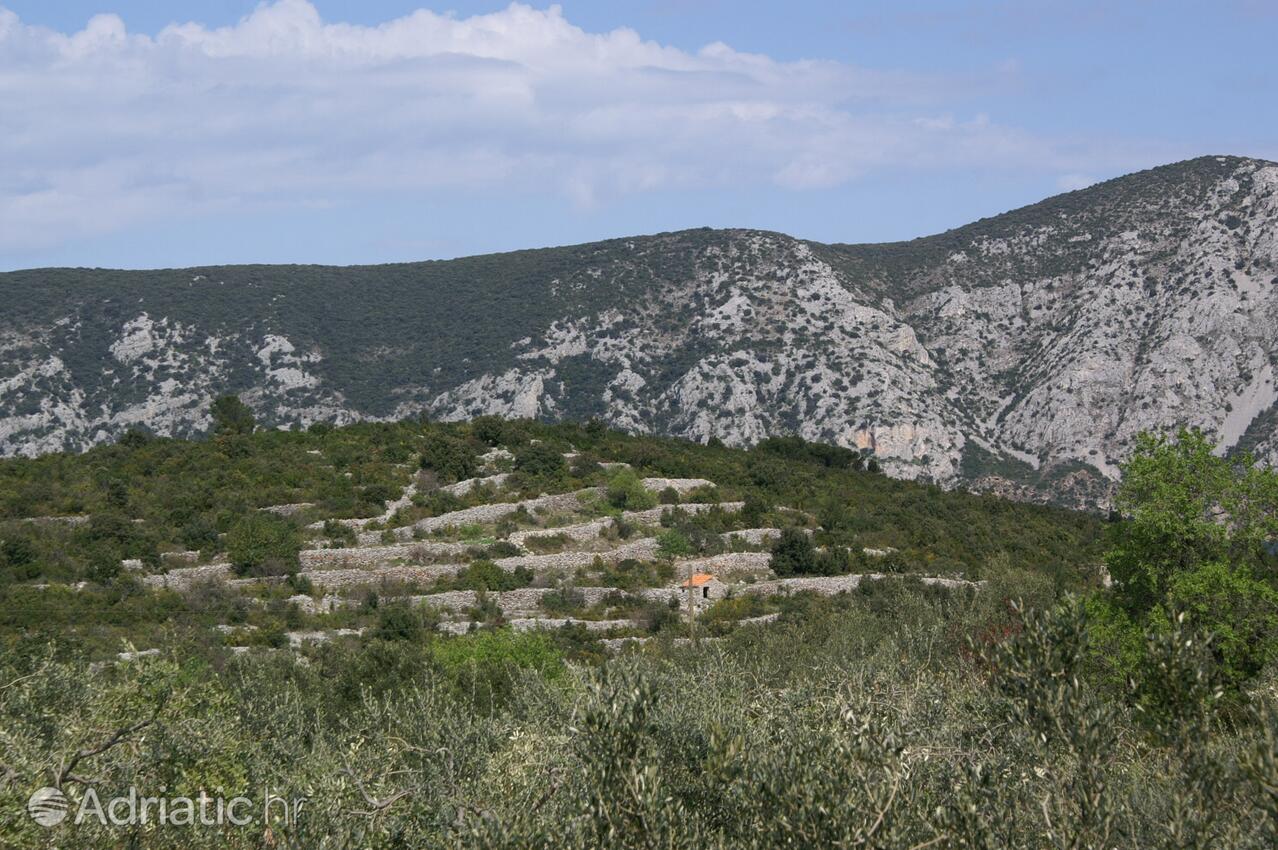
x: 983, y: 356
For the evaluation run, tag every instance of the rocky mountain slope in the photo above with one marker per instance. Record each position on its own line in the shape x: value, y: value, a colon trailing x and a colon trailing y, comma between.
x: 1019, y: 354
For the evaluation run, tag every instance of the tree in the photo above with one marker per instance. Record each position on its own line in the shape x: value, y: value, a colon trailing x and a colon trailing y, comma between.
x: 540, y: 462
x: 135, y: 437
x: 1191, y: 543
x: 673, y: 543
x: 754, y: 510
x: 833, y: 513
x: 793, y: 554
x: 400, y: 622
x: 1183, y: 507
x: 261, y: 544
x: 232, y: 417
x: 450, y: 458
x: 490, y: 430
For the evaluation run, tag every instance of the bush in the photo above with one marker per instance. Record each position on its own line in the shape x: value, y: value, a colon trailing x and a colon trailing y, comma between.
x: 793, y: 554
x: 626, y: 492
x: 491, y: 430
x: 483, y: 667
x: 672, y: 543
x: 261, y: 544
x: 486, y: 576
x: 400, y: 622
x: 232, y: 417
x: 449, y: 458
x: 584, y: 466
x: 541, y: 463
x: 339, y: 532
x: 798, y: 449
x: 200, y: 535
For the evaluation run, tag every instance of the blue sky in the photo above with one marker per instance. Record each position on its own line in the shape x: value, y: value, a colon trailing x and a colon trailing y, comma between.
x: 166, y: 134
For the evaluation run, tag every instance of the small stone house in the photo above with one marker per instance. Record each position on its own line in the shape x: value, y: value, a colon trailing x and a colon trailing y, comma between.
x: 704, y: 587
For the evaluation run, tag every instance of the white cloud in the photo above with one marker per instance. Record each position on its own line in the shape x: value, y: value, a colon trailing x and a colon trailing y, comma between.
x: 103, y: 129
x: 1071, y: 182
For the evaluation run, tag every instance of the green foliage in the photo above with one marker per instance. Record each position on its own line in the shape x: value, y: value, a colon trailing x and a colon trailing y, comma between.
x: 490, y: 430
x: 484, y: 575
x: 793, y: 554
x: 231, y: 418
x: 672, y: 543
x: 855, y: 721
x: 626, y: 492
x: 541, y: 464
x: 1183, y: 506
x: 485, y: 666
x: 263, y: 545
x: 402, y: 622
x: 1192, y: 544
x: 797, y: 449
x: 339, y: 533
x: 1238, y: 611
x: 450, y: 458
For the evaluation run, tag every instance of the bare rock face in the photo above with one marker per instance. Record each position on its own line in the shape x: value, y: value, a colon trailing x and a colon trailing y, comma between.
x: 1020, y: 354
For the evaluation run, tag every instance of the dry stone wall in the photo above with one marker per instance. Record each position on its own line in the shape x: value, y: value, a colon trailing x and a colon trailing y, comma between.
x: 542, y: 623
x: 378, y: 556
x: 292, y: 509
x: 830, y: 585
x: 484, y: 513
x: 750, y: 562
x: 461, y: 488
x: 682, y: 486
x: 645, y: 549
x: 337, y: 579
x: 753, y: 536
x: 185, y: 578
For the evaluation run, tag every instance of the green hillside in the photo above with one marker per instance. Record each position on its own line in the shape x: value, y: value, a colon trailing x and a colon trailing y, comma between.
x: 144, y: 498
x: 881, y: 663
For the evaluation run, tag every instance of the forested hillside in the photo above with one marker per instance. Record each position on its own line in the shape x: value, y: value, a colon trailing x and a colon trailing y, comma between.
x: 1021, y: 354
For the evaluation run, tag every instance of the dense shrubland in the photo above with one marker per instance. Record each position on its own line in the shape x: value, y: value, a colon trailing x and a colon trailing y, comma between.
x: 1041, y: 710
x: 895, y: 717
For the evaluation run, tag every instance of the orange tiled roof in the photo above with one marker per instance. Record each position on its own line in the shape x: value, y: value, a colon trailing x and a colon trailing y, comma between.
x: 698, y: 579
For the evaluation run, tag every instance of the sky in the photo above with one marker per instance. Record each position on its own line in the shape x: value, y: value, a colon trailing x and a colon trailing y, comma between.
x: 153, y: 133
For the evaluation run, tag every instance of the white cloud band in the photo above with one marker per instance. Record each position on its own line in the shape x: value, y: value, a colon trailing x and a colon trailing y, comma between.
x: 102, y: 129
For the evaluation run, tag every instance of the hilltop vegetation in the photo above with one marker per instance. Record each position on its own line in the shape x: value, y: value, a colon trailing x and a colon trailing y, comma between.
x: 1021, y: 354
x: 144, y: 497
